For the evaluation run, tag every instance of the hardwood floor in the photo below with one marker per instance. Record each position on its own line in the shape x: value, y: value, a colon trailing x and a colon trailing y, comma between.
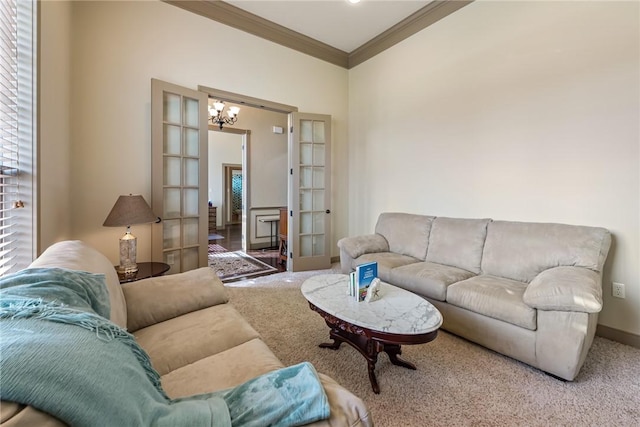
x: 231, y: 237
x: 231, y: 240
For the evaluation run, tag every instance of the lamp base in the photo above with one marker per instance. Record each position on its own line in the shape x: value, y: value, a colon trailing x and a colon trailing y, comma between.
x: 127, y: 270
x: 128, y: 249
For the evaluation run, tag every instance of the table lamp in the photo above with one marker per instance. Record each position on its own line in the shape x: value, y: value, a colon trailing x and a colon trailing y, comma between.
x: 127, y: 211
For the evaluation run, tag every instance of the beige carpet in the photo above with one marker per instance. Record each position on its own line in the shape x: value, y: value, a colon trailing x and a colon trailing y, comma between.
x: 457, y: 383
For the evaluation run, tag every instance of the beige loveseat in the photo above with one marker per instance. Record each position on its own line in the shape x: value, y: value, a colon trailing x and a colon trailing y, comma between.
x: 531, y: 291
x: 197, y: 342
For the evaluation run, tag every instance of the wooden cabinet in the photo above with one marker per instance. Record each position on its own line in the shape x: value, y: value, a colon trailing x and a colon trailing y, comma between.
x: 282, y: 235
x: 212, y: 219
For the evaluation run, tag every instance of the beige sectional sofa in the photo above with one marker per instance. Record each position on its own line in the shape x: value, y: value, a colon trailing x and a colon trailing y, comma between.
x: 196, y: 340
x: 531, y: 291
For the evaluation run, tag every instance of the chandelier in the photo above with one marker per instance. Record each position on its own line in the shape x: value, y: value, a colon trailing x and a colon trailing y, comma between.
x: 217, y: 117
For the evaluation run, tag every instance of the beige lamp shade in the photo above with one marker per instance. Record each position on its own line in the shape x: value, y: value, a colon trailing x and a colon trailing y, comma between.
x: 128, y: 210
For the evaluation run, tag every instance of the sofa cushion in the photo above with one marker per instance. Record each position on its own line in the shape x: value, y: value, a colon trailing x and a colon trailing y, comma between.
x: 407, y: 234
x: 457, y: 242
x: 521, y: 250
x: 157, y: 299
x: 428, y: 279
x: 183, y: 340
x: 249, y: 360
x: 495, y: 297
x: 77, y: 255
x: 386, y: 262
x: 241, y: 363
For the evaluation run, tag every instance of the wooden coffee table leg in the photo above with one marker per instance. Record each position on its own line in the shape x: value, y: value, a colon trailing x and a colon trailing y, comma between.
x: 371, y: 354
x: 337, y: 340
x: 367, y: 347
x: 372, y: 377
x: 393, y: 351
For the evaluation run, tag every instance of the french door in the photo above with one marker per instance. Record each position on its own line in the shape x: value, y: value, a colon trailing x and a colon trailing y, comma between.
x: 309, y: 224
x: 179, y: 134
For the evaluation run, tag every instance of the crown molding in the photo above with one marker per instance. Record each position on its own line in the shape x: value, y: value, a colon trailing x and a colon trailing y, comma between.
x: 240, y: 19
x: 417, y: 21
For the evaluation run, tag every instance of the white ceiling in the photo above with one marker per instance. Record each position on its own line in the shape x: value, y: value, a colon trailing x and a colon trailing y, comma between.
x: 337, y: 23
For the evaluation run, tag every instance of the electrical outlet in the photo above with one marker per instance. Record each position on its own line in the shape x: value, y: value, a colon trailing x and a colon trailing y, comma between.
x: 617, y: 290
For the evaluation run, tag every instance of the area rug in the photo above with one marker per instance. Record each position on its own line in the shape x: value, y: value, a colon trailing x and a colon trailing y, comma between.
x: 234, y: 265
x: 215, y: 248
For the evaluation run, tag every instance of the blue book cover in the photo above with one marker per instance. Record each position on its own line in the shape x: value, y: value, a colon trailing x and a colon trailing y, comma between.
x: 365, y: 273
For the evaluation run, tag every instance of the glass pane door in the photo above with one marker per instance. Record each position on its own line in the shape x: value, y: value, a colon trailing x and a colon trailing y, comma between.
x: 179, y: 174
x: 309, y: 192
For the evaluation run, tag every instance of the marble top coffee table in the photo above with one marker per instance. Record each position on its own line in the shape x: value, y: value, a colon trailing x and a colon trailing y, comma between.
x: 398, y: 318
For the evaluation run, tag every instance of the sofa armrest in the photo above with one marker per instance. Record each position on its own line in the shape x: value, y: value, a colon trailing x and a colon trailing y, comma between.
x: 156, y: 299
x: 353, y: 247
x: 366, y: 244
x: 565, y: 289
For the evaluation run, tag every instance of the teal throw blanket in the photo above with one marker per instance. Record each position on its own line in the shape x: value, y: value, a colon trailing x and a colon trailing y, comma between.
x: 60, y: 354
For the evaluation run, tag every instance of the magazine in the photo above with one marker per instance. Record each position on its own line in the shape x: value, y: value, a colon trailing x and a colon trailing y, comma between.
x: 365, y: 273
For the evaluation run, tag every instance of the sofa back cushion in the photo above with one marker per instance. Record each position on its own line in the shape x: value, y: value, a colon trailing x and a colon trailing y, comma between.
x: 522, y: 250
x: 407, y: 234
x: 77, y: 255
x: 458, y: 242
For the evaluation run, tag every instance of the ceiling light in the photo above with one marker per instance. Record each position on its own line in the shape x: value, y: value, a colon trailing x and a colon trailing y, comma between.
x: 217, y: 118
x: 354, y: 1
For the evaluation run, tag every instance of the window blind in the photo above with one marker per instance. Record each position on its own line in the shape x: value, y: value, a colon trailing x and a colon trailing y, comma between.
x: 16, y: 133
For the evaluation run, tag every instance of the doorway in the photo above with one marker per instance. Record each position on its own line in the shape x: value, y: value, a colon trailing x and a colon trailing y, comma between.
x: 233, y: 200
x: 228, y: 181
x: 304, y: 163
x: 227, y: 177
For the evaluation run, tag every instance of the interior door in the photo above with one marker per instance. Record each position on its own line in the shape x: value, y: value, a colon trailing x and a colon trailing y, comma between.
x: 309, y: 225
x: 179, y: 134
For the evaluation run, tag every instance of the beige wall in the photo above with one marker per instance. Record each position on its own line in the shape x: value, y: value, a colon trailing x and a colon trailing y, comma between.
x: 267, y: 157
x: 117, y: 47
x: 525, y: 111
x: 54, y: 125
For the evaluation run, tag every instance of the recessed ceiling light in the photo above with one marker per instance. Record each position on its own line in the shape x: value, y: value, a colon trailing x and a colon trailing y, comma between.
x: 354, y: 1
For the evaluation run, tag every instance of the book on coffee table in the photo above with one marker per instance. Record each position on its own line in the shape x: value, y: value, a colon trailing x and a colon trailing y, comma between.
x: 365, y: 273
x: 352, y: 284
